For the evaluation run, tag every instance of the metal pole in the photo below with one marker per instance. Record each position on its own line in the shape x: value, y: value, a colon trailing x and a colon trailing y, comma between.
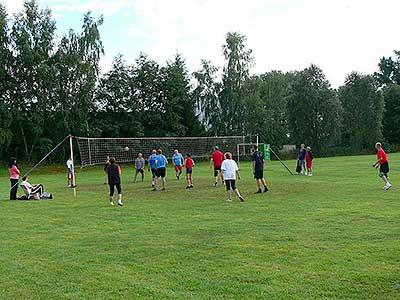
x: 73, y: 164
x: 280, y: 161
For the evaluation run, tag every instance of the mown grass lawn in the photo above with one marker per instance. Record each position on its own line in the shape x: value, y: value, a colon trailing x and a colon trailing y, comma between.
x: 335, y: 235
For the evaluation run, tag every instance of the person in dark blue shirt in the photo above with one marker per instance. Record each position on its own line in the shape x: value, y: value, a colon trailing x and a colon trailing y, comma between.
x: 301, y: 163
x: 258, y: 169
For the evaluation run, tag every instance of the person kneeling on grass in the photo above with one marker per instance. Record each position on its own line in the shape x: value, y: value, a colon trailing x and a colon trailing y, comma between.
x: 383, y: 165
x: 114, y: 180
x: 31, y: 191
x: 229, y: 169
x: 189, y: 163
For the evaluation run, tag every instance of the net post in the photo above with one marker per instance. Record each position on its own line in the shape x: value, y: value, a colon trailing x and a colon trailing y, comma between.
x: 73, y: 163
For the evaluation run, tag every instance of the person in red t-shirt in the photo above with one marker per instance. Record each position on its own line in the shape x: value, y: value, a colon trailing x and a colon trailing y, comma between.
x: 189, y: 163
x: 217, y: 157
x: 383, y: 165
x: 309, y: 161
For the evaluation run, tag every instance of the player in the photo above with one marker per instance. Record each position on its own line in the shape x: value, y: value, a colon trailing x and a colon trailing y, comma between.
x: 139, y: 166
x: 161, y: 165
x: 217, y: 158
x: 383, y: 165
x: 14, y: 172
x: 114, y: 180
x: 309, y: 161
x: 230, y: 170
x: 189, y: 163
x: 70, y: 172
x: 152, y: 166
x: 258, y: 169
x: 177, y: 161
x: 106, y: 164
x: 302, y: 160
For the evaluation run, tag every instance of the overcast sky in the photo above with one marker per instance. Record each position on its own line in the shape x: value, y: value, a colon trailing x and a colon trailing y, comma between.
x: 340, y: 36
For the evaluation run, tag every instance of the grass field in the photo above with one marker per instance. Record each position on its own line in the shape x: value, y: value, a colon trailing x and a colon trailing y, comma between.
x: 332, y: 236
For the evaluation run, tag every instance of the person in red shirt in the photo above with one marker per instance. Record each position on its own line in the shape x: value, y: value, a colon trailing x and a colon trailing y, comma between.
x: 309, y: 161
x: 217, y: 157
x: 189, y: 163
x: 383, y: 165
x: 13, y: 171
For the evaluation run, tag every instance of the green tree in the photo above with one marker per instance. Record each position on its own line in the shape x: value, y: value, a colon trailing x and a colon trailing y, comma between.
x: 236, y: 72
x: 363, y: 106
x: 389, y: 70
x: 265, y: 102
x: 313, y: 109
x: 5, y: 60
x: 77, y: 69
x: 181, y: 118
x: 114, y: 114
x: 391, y: 120
x: 32, y: 39
x: 206, y: 97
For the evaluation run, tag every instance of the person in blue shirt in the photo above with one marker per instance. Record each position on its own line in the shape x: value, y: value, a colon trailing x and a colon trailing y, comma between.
x: 152, y: 166
x: 301, y: 160
x: 177, y: 161
x: 161, y: 165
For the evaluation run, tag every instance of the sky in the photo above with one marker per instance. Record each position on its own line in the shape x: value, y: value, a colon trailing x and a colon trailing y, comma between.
x: 340, y: 36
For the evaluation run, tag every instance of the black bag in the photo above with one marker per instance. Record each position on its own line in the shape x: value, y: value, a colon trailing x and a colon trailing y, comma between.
x: 46, y: 195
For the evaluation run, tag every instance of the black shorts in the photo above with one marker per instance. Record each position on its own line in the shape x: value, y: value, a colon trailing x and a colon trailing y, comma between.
x: 153, y: 172
x: 384, y: 168
x: 216, y: 169
x: 189, y: 170
x: 141, y: 171
x: 259, y: 174
x: 160, y: 172
x: 230, y: 184
x: 118, y: 186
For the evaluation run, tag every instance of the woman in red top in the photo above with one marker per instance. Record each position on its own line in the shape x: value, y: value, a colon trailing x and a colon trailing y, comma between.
x: 13, y: 171
x: 383, y: 165
x: 189, y: 163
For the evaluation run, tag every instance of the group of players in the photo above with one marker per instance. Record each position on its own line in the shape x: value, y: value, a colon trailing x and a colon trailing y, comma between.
x: 225, y: 169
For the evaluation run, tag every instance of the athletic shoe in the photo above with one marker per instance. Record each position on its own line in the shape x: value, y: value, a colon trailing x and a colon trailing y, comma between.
x: 241, y: 199
x: 215, y: 184
x: 120, y: 203
x: 188, y: 187
x: 111, y: 203
x: 258, y: 192
x: 388, y: 186
x: 177, y: 177
x: 228, y: 200
x: 191, y: 186
x: 154, y: 189
x: 265, y: 189
x: 163, y: 189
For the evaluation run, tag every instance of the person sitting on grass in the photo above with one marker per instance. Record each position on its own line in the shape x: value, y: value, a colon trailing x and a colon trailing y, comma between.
x: 189, y: 163
x: 229, y: 169
x: 31, y: 191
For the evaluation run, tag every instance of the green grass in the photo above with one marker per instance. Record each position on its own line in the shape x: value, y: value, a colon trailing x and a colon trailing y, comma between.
x: 332, y: 236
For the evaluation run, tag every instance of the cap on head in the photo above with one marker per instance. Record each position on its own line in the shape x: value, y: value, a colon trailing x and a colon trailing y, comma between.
x: 216, y: 148
x: 378, y: 145
x: 308, y: 148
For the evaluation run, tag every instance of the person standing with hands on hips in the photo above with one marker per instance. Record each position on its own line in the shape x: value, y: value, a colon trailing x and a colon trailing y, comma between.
x: 258, y: 169
x: 13, y: 171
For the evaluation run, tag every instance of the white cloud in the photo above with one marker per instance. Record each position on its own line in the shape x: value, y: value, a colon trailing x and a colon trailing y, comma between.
x: 339, y: 36
x: 107, y: 8
x: 13, y: 6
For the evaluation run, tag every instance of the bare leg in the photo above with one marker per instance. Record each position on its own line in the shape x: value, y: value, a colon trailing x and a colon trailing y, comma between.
x: 229, y: 193
x: 163, y: 183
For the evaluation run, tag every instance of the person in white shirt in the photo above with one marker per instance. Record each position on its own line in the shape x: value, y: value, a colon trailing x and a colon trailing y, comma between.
x: 70, y: 172
x: 229, y: 170
x: 31, y: 190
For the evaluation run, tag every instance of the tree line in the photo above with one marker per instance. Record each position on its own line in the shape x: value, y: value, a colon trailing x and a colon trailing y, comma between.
x: 51, y: 87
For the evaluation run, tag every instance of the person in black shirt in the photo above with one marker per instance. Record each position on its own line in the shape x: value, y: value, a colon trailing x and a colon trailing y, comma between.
x: 114, y: 180
x: 106, y: 164
x: 258, y: 169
